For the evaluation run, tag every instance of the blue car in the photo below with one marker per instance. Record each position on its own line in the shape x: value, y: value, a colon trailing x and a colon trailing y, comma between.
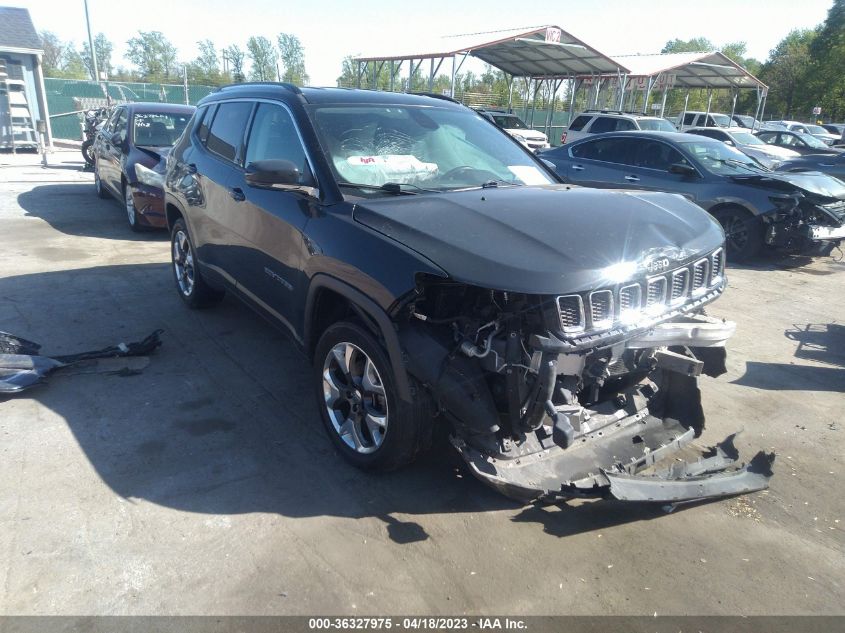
x: 800, y: 212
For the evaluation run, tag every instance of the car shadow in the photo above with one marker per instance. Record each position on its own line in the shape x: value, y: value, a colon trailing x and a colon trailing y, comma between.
x: 75, y: 209
x: 822, y: 342
x: 224, y: 419
x: 790, y: 377
x: 774, y: 260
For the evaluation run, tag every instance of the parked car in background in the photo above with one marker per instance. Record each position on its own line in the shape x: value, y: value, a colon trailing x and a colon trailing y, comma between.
x: 797, y: 141
x: 703, y: 119
x: 437, y: 272
x: 601, y: 121
x: 769, y: 156
x: 830, y: 164
x: 129, y: 153
x: 756, y: 207
x: 837, y: 129
x: 807, y: 128
x: 517, y: 128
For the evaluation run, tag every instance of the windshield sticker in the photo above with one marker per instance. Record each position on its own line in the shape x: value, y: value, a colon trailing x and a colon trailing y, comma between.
x: 529, y: 174
x: 381, y: 169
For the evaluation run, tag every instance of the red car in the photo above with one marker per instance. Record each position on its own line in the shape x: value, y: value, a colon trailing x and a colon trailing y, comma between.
x: 129, y: 154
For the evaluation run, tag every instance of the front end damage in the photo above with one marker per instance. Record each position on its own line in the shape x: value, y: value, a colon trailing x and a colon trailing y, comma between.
x: 589, y: 394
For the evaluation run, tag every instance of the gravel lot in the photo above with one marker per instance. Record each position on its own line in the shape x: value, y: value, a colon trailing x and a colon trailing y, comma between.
x: 206, y: 485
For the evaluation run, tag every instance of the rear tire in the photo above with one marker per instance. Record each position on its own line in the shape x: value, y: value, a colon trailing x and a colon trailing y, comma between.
x: 98, y: 183
x: 743, y: 233
x: 361, y: 410
x: 190, y: 285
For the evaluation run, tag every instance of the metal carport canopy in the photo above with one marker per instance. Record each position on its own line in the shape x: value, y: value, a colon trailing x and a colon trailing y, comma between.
x: 538, y: 52
x: 711, y: 69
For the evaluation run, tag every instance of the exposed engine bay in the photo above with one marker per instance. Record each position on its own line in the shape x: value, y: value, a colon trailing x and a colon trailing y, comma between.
x: 577, y: 395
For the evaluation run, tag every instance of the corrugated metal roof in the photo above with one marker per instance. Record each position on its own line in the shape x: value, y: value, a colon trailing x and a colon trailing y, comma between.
x: 17, y: 30
x: 709, y: 69
x: 544, y: 51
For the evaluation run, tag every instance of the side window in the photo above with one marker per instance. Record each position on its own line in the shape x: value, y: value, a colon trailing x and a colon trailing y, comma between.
x: 227, y: 129
x: 109, y: 125
x: 603, y: 124
x: 689, y: 117
x: 609, y: 150
x: 657, y: 155
x: 766, y: 137
x: 274, y: 135
x: 579, y: 123
x: 623, y: 125
x: 204, y: 118
x: 121, y: 124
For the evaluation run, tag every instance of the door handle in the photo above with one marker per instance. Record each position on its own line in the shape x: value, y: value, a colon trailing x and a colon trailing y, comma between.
x: 577, y: 168
x: 632, y: 178
x: 237, y: 194
x: 192, y: 169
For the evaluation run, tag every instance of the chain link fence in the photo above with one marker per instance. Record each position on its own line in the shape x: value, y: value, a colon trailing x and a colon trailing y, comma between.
x: 67, y: 99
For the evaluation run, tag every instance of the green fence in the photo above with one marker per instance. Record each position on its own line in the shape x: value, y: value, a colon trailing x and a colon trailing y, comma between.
x: 67, y: 98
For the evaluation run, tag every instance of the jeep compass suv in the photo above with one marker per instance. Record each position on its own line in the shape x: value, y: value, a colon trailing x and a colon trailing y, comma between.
x: 435, y: 271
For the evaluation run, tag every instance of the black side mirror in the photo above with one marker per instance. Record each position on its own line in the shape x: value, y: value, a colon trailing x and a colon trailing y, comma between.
x: 116, y: 139
x: 682, y: 169
x: 276, y: 173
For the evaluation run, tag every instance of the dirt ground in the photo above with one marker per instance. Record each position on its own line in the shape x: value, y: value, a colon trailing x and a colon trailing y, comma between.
x: 206, y: 485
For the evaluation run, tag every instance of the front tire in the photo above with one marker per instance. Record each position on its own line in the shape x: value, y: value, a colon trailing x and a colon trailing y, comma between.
x: 131, y: 212
x: 356, y: 392
x: 743, y: 233
x: 190, y: 285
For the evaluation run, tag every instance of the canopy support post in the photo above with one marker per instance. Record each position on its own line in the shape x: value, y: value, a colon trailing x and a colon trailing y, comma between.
x: 431, y: 76
x: 709, y: 101
x: 733, y: 108
x: 358, y: 76
x: 684, y: 113
x: 648, y: 94
x: 510, y: 91
x: 454, y: 72
x: 663, y: 102
x: 623, y: 79
x: 533, y: 103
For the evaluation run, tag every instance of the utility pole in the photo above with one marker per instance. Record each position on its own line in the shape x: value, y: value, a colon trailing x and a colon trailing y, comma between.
x: 91, y: 44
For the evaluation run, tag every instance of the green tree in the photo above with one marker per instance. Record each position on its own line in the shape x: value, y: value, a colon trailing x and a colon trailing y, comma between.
x: 153, y: 54
x: 263, y: 57
x: 235, y: 56
x: 695, y: 45
x: 786, y: 72
x: 54, y: 50
x: 205, y: 69
x: 103, y: 47
x: 292, y: 56
x: 827, y: 81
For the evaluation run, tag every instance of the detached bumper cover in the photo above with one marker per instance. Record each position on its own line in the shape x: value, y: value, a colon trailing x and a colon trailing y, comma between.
x: 815, y: 232
x: 611, y: 464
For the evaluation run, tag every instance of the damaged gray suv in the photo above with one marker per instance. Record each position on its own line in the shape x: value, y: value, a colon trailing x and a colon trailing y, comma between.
x: 435, y: 271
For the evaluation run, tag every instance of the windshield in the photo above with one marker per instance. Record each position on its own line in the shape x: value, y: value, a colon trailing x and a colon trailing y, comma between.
x: 509, y: 122
x: 159, y: 129
x: 722, y: 120
x: 429, y: 148
x: 811, y: 140
x: 656, y: 125
x: 815, y: 129
x: 746, y: 138
x: 721, y: 159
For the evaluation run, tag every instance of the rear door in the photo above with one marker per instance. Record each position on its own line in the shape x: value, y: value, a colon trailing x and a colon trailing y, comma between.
x: 651, y: 160
x: 218, y: 174
x: 112, y: 154
x: 270, y: 221
x: 600, y: 162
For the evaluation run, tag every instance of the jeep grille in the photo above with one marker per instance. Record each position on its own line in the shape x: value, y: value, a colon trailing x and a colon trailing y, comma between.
x: 644, y: 300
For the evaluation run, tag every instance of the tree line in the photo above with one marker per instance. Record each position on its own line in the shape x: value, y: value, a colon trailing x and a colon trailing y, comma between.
x: 156, y: 60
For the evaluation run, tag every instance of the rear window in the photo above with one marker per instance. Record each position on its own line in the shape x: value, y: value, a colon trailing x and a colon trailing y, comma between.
x: 689, y: 117
x: 227, y: 129
x: 158, y: 129
x: 579, y: 123
x: 204, y: 117
x: 656, y: 125
x: 609, y: 150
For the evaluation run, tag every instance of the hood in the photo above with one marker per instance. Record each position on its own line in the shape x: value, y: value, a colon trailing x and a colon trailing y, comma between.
x: 543, y: 240
x: 527, y: 134
x: 814, y: 183
x: 774, y: 151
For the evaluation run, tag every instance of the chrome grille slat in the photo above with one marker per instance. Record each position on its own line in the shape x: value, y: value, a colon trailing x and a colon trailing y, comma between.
x: 601, y: 308
x: 642, y: 301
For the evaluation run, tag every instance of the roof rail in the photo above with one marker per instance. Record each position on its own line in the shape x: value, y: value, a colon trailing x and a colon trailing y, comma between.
x: 435, y: 95
x: 279, y: 84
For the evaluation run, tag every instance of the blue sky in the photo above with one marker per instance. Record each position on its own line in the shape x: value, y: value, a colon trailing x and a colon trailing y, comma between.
x: 331, y: 29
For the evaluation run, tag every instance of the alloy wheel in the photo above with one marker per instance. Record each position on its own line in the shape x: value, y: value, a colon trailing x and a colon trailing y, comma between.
x: 736, y: 232
x: 183, y: 263
x: 355, y: 398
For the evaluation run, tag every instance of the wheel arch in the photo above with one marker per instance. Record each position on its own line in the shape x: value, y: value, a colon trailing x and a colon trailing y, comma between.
x: 330, y: 299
